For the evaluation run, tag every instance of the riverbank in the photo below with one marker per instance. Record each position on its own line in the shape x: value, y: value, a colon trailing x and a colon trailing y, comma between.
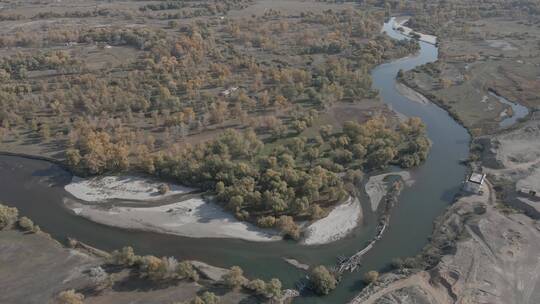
x: 399, y: 26
x: 46, y: 268
x: 377, y: 187
x: 338, y: 224
x: 193, y: 217
x: 410, y: 93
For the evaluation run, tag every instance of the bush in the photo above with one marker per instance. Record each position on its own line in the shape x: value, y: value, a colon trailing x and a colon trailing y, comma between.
x: 266, y: 221
x: 26, y: 224
x: 235, y: 279
x: 185, y: 270
x: 151, y: 267
x: 210, y: 298
x: 273, y: 288
x: 316, y: 212
x: 371, y: 277
x: 322, y: 280
x: 69, y: 297
x: 8, y: 216
x: 163, y: 189
x: 126, y: 257
x: 258, y: 286
x: 288, y: 227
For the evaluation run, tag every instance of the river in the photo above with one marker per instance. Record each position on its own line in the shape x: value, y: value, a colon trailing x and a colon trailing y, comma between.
x: 36, y: 188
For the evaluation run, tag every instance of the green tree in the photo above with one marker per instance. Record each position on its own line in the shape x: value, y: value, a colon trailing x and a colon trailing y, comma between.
x: 371, y: 277
x: 235, y: 279
x: 8, y: 216
x: 273, y: 288
x: 322, y: 280
x: 258, y: 286
x: 210, y: 298
x: 185, y: 270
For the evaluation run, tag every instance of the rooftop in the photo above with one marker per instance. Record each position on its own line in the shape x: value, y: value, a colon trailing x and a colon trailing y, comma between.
x: 477, y: 178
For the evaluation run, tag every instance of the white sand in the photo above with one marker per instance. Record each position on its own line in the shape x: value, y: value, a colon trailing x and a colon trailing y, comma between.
x: 192, y: 218
x: 340, y: 222
x: 376, y: 187
x: 103, y: 188
x: 407, y: 31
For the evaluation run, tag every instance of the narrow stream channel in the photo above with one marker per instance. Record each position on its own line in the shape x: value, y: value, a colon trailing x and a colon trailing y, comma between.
x: 36, y: 188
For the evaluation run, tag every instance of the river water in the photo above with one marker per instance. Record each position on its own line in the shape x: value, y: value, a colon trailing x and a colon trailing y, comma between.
x: 36, y: 189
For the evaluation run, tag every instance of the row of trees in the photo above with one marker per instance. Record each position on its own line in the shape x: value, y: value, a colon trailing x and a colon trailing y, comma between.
x: 168, y: 268
x: 9, y: 218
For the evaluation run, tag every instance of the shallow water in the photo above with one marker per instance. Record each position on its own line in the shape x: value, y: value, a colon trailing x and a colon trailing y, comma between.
x: 36, y: 188
x: 518, y: 111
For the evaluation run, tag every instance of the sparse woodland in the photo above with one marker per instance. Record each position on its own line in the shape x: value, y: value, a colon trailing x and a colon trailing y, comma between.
x: 222, y: 104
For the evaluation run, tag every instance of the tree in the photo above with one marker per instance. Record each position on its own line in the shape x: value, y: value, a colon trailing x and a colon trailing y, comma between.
x: 185, y: 270
x: 151, y: 267
x: 316, y: 212
x: 258, y: 286
x: 163, y: 189
x: 322, y: 280
x: 73, y: 157
x: 26, y: 224
x: 235, y: 279
x: 371, y: 277
x: 210, y: 298
x: 289, y: 227
x: 8, y: 216
x: 69, y: 297
x: 266, y: 221
x: 273, y: 288
x: 126, y: 256
x: 45, y: 132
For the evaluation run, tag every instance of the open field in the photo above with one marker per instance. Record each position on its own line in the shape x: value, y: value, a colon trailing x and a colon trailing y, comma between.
x: 478, y: 57
x: 41, y: 265
x: 35, y: 269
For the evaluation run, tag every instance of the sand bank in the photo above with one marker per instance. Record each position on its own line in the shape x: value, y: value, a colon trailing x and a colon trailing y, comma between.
x: 376, y: 187
x: 410, y: 93
x: 103, y: 188
x: 400, y: 26
x: 340, y: 222
x: 191, y: 218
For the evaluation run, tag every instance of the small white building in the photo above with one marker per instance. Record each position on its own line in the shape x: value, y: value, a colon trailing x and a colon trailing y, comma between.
x: 474, y: 183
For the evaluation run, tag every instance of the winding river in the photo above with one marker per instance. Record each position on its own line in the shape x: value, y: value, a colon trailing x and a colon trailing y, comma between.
x: 36, y: 188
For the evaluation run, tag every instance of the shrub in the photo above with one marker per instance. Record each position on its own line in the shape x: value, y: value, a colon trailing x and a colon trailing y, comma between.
x: 273, y: 288
x: 322, y: 280
x: 266, y: 221
x: 126, y: 256
x: 235, y: 279
x: 316, y: 212
x: 210, y: 298
x: 185, y: 270
x: 8, y: 216
x: 288, y: 227
x: 151, y: 267
x: 163, y: 189
x: 258, y: 286
x: 371, y: 277
x: 69, y: 297
x: 26, y: 224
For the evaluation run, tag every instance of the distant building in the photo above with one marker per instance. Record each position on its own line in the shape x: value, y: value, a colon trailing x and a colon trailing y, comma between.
x: 474, y: 183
